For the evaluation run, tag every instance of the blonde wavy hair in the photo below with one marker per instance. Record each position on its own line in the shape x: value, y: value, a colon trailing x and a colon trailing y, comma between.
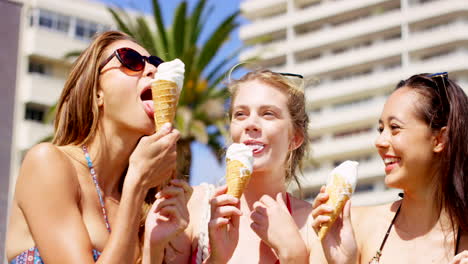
x: 296, y: 106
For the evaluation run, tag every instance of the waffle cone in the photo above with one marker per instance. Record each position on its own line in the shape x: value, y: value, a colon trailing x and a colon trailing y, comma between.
x: 237, y: 177
x: 165, y: 101
x: 339, y: 193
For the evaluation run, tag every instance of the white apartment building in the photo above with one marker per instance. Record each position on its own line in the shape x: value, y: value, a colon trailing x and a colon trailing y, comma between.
x: 355, y: 51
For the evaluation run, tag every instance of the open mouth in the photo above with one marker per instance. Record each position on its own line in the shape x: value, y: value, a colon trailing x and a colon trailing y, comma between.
x: 147, y: 98
x: 256, y: 147
x: 391, y: 161
x: 146, y: 95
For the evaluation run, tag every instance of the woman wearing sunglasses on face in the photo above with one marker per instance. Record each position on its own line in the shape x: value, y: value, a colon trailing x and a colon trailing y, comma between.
x: 81, y: 198
x: 423, y: 143
x: 266, y: 225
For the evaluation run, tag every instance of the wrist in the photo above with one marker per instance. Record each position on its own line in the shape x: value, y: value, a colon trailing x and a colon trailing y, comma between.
x: 133, y: 185
x: 294, y: 253
x: 152, y: 253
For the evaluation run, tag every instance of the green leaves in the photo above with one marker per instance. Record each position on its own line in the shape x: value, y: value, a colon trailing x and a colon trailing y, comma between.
x: 201, y: 103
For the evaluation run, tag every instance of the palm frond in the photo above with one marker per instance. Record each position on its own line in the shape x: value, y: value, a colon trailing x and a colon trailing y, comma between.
x: 215, y: 41
x: 178, y: 30
x: 145, y: 35
x: 161, y: 30
x: 124, y: 27
x: 194, y: 23
x: 198, y: 131
x: 72, y: 54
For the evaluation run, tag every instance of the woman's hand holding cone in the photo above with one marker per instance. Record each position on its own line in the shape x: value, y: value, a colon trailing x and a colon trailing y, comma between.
x: 154, y: 158
x: 223, y: 226
x: 339, y: 245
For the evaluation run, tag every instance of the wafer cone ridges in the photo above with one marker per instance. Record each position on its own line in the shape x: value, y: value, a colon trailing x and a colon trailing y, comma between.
x: 237, y: 177
x: 165, y: 101
x: 339, y: 193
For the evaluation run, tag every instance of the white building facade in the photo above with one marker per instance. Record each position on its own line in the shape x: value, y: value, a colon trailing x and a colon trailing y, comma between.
x: 355, y: 52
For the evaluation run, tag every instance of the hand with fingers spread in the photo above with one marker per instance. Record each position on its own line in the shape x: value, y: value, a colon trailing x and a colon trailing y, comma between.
x: 223, y: 226
x: 268, y: 215
x: 154, y: 158
x: 167, y: 218
x: 339, y: 245
x: 460, y: 258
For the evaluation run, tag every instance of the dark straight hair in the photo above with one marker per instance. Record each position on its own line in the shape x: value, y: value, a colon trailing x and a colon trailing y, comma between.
x: 445, y: 104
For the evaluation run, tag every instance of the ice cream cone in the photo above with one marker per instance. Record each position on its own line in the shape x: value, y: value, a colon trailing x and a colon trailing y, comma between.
x: 239, y: 167
x: 165, y: 89
x: 237, y: 177
x: 165, y: 101
x: 340, y: 187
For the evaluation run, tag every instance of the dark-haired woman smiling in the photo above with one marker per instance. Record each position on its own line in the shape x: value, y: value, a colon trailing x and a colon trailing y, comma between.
x: 423, y: 143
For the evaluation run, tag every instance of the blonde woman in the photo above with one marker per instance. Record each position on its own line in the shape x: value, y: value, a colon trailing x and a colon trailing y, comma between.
x: 267, y: 224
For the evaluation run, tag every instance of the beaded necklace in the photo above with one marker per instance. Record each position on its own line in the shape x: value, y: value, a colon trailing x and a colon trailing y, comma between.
x: 98, y: 189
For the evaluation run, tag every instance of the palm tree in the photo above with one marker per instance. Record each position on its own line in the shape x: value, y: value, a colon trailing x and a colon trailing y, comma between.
x: 201, y: 114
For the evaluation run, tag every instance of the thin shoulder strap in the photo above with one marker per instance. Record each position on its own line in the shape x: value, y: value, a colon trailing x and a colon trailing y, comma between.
x: 390, y: 228
x: 92, y: 171
x: 376, y: 258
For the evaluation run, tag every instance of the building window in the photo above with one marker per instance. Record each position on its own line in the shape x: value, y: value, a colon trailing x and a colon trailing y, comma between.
x: 36, y: 67
x: 51, y: 20
x: 35, y: 112
x: 85, y: 29
x: 63, y: 23
x: 364, y: 187
x: 45, y: 19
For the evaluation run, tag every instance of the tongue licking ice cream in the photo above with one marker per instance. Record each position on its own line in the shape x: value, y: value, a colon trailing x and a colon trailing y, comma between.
x: 239, y: 167
x: 340, y: 185
x: 166, y: 89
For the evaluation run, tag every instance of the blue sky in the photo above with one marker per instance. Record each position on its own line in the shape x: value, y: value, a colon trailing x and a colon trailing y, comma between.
x: 205, y: 168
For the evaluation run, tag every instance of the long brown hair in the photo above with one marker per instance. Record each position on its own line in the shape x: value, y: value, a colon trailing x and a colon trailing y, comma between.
x: 296, y: 108
x: 77, y: 116
x: 444, y: 104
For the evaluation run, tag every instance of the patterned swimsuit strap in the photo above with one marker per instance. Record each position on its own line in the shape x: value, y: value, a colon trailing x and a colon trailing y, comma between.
x: 98, y: 189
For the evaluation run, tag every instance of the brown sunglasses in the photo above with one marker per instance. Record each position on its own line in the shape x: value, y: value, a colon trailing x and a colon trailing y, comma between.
x: 131, y: 59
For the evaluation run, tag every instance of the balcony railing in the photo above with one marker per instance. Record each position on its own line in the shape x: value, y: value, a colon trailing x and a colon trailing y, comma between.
x: 254, y: 8
x: 344, y: 147
x: 366, y: 112
x: 31, y: 133
x: 50, y: 44
x: 41, y: 89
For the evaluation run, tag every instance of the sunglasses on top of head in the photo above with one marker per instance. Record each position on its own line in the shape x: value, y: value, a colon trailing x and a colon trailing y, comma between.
x: 131, y: 59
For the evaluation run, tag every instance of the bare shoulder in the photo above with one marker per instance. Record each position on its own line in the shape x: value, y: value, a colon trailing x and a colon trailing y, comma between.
x: 45, y: 167
x: 362, y: 214
x: 371, y: 222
